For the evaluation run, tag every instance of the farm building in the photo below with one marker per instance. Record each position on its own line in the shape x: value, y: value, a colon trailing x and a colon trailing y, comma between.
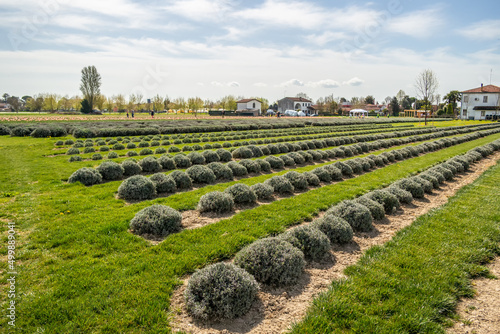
x: 481, y: 103
x: 296, y: 103
x: 249, y: 106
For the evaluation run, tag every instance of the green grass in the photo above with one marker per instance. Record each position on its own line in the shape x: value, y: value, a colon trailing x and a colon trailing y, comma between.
x: 411, y: 284
x: 82, y: 271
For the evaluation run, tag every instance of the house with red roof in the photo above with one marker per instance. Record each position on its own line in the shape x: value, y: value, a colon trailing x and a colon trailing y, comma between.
x: 482, y: 103
x: 249, y: 106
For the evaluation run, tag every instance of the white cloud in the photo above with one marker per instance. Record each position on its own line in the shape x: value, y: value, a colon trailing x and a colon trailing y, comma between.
x: 354, y: 82
x: 200, y: 10
x: 260, y: 84
x: 327, y: 83
x: 326, y: 37
x: 418, y: 24
x: 233, y: 84
x: 225, y: 84
x: 292, y: 82
x: 483, y: 30
x: 217, y: 84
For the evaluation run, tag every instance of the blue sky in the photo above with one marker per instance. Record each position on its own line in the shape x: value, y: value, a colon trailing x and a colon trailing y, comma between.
x: 268, y: 48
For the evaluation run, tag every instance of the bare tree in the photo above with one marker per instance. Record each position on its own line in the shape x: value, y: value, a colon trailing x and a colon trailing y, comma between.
x: 90, y: 85
x: 426, y: 85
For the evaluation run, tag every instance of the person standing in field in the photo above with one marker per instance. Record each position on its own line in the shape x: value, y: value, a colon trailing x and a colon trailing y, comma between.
x: 132, y: 113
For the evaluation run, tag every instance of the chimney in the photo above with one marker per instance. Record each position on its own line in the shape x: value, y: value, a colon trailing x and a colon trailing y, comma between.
x: 481, y: 87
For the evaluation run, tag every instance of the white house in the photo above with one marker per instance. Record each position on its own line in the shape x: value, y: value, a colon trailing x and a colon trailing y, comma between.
x: 481, y: 103
x: 295, y: 103
x: 249, y: 105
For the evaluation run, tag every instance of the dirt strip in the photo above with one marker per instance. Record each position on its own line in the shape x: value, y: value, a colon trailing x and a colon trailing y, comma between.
x: 277, y: 308
x: 481, y: 315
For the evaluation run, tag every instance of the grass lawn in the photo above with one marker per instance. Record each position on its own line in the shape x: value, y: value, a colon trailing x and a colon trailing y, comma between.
x: 80, y: 270
x: 412, y: 283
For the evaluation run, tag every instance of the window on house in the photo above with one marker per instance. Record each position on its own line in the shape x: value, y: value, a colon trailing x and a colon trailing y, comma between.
x: 485, y: 99
x: 483, y: 113
x: 464, y: 112
x: 254, y: 105
x: 466, y: 98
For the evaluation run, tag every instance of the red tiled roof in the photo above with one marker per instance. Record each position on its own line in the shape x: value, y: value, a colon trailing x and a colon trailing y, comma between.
x: 247, y: 100
x: 298, y: 99
x: 484, y: 89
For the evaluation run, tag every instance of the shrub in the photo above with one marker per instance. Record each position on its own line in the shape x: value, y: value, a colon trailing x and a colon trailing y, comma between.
x: 312, y: 179
x: 437, y: 174
x: 96, y: 156
x: 237, y: 169
x: 275, y: 162
x: 68, y: 142
x: 222, y: 172
x: 280, y: 184
x: 322, y: 174
x: 131, y: 167
x: 132, y: 154
x: 256, y: 151
x: 263, y: 191
x: 143, y: 144
x: 252, y: 166
x: 163, y: 183
x: 224, y: 155
x: 216, y: 201
x: 298, y: 180
x: 117, y: 147
x: 334, y: 172
x: 160, y: 150
x: 110, y: 170
x: 173, y: 149
x: 220, y: 291
x: 272, y: 261
x: 150, y: 165
x: 210, y: 156
x: 72, y: 150
x: 431, y: 178
x: 86, y: 176
x: 156, y: 220
x: 388, y: 200
x: 74, y: 158
x: 376, y: 209
x: 131, y: 145
x: 196, y: 158
x: 105, y: 149
x: 425, y: 184
x: 242, y: 153
x: 41, y: 132
x: 181, y: 161
x: 403, y: 196
x: 167, y: 162
x: 182, y: 180
x: 335, y: 228
x: 344, y: 168
x: 310, y: 240
x: 287, y: 161
x: 137, y: 187
x: 242, y: 194
x: 264, y: 165
x: 145, y: 151
x: 201, y: 174
x: 297, y: 158
x: 306, y: 155
x: 89, y: 150
x: 413, y: 187
x: 59, y: 143
x: 357, y: 215
x: 356, y: 167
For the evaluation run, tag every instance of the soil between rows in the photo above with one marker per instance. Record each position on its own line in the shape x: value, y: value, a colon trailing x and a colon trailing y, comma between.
x: 277, y: 308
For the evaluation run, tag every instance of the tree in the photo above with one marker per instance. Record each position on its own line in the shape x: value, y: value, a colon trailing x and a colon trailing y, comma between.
x: 400, y: 96
x: 132, y: 100
x: 157, y: 103
x: 388, y: 100
x: 370, y: 99
x: 110, y: 103
x: 119, y: 102
x: 407, y: 102
x: 395, y: 106
x: 65, y: 103
x: 86, y: 108
x: 100, y: 101
x: 303, y: 95
x: 50, y: 102
x: 452, y: 97
x: 426, y: 85
x: 229, y: 102
x: 90, y: 85
x: 5, y: 97
x: 14, y: 103
x: 343, y: 99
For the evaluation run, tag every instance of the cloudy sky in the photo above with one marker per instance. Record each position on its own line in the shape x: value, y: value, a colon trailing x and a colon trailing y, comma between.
x: 269, y: 48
